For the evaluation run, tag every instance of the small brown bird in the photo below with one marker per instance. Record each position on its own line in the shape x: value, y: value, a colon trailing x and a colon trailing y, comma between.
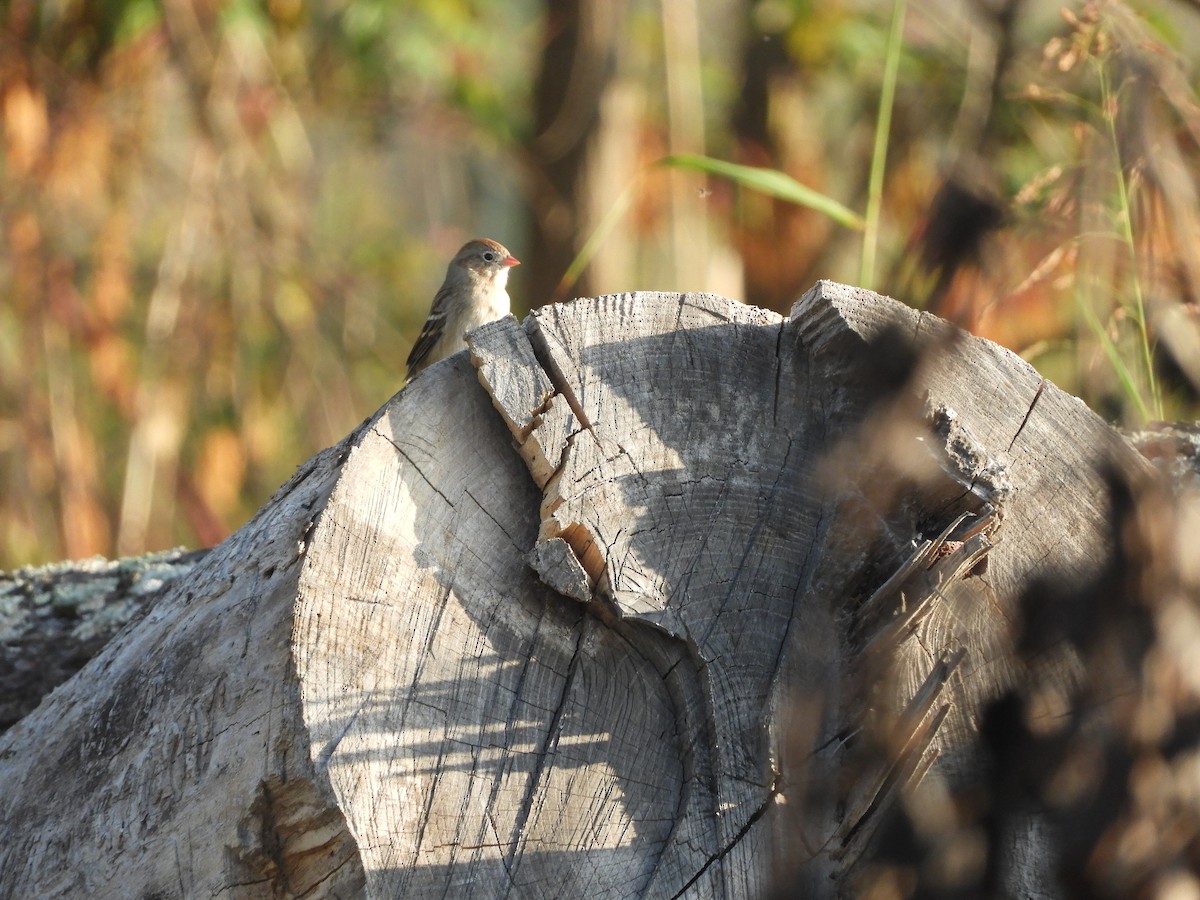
x: 472, y: 295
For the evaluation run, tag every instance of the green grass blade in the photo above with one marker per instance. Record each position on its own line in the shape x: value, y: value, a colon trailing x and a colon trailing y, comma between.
x: 1124, y: 376
x: 883, y: 130
x: 770, y: 182
x: 592, y: 245
x: 1125, y: 218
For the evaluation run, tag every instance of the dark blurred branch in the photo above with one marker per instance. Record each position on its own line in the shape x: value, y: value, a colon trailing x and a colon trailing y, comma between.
x: 577, y: 67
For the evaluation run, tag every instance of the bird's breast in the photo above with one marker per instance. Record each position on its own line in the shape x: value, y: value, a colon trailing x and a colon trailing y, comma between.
x: 497, y: 306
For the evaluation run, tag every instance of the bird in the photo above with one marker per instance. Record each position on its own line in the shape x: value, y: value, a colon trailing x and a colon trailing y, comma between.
x: 473, y: 294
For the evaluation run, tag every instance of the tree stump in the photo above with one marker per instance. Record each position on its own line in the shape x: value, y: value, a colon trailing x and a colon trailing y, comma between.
x: 614, y: 605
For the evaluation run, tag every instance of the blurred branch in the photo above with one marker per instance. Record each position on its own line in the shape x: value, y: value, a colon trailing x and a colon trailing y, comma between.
x: 578, y: 63
x: 160, y: 414
x: 685, y: 125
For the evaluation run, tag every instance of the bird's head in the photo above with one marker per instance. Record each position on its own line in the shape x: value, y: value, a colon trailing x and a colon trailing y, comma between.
x: 485, y: 259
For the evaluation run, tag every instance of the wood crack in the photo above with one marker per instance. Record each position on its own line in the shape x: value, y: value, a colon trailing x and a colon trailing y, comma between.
x: 539, y: 341
x: 433, y: 487
x: 543, y: 756
x: 751, y: 821
x: 487, y: 512
x: 1029, y: 412
x: 778, y: 373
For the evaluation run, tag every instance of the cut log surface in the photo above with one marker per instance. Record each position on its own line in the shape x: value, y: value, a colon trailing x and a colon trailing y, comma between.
x: 586, y: 611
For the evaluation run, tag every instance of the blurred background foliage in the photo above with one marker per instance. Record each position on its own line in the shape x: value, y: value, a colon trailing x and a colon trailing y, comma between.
x: 222, y: 221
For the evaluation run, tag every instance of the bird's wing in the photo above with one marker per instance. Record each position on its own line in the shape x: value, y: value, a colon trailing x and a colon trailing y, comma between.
x: 431, y: 333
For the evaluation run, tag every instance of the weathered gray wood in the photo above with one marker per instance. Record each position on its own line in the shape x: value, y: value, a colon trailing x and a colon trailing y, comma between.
x: 589, y: 612
x: 691, y: 440
x: 493, y: 732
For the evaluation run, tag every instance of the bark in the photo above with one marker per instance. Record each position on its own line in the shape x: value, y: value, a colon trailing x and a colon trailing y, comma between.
x: 619, y: 605
x: 55, y: 618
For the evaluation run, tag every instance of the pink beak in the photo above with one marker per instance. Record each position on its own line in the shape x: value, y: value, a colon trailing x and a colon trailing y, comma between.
x: 510, y: 261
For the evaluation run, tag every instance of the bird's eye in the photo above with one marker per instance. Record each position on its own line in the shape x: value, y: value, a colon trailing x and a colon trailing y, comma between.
x: 489, y: 256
